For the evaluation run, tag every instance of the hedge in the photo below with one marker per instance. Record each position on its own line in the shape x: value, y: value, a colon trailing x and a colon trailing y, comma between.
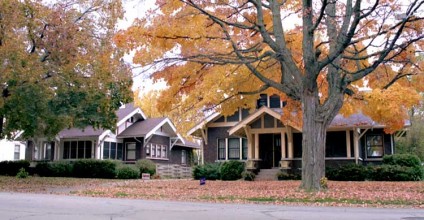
x: 146, y: 166
x: 127, y: 172
x: 210, y: 171
x: 231, y: 170
x: 55, y: 169
x: 12, y: 167
x: 92, y: 168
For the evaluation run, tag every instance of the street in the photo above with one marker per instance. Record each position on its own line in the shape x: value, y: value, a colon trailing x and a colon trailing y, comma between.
x: 24, y: 206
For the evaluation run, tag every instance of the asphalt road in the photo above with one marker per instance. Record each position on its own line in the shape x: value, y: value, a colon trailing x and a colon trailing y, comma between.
x: 43, y: 206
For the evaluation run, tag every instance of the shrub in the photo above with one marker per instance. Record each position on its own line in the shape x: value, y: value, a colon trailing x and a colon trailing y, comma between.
x: 54, y: 169
x: 288, y: 176
x: 407, y: 160
x: 231, y: 170
x: 210, y: 171
x: 91, y: 168
x: 248, y: 175
x: 128, y: 172
x: 146, y: 166
x: 396, y: 173
x: 11, y: 168
x: 348, y: 172
x: 22, y: 174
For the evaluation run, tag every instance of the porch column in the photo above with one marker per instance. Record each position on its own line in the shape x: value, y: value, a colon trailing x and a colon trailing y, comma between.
x: 356, y: 145
x: 348, y: 147
x: 290, y: 142
x: 256, y: 146
x: 283, y: 145
x: 249, y: 147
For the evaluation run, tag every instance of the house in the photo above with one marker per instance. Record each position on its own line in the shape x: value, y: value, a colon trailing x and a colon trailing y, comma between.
x: 263, y: 141
x: 135, y: 137
x: 12, y: 149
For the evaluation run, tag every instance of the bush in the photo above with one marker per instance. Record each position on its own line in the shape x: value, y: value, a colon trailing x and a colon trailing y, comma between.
x: 288, y: 176
x: 11, y: 168
x: 54, y: 169
x: 248, y: 175
x: 396, y: 173
x: 407, y: 160
x: 146, y: 166
x: 231, y: 170
x: 210, y: 171
x: 128, y: 172
x: 22, y: 174
x: 91, y: 168
x: 348, y: 172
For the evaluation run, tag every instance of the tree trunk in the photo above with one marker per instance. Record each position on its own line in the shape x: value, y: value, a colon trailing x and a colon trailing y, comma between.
x: 313, y: 144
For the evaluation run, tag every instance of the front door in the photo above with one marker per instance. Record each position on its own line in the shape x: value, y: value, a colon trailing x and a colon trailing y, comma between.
x: 130, y: 151
x: 270, y: 150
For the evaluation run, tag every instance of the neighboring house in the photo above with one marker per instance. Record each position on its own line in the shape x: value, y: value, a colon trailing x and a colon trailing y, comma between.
x: 263, y: 141
x: 136, y: 137
x: 12, y: 150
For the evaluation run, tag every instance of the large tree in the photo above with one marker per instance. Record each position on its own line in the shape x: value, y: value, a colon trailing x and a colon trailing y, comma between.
x: 315, y: 54
x: 59, y: 66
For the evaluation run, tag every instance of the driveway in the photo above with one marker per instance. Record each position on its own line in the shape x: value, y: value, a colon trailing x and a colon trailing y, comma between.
x: 24, y: 206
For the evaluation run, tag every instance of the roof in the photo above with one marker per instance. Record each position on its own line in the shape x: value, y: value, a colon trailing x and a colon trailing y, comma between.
x: 188, y: 144
x: 203, y: 123
x: 357, y: 120
x: 89, y: 131
x: 148, y: 127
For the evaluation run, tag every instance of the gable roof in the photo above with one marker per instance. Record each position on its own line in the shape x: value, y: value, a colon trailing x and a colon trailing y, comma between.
x: 203, y: 123
x: 186, y: 143
x: 127, y: 111
x: 148, y: 127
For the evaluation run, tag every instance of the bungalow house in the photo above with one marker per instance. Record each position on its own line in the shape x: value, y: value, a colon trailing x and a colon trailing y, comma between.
x: 135, y: 137
x: 263, y: 141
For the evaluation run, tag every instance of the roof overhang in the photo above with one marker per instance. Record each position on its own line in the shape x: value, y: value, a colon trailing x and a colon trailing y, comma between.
x: 136, y: 111
x: 197, y: 130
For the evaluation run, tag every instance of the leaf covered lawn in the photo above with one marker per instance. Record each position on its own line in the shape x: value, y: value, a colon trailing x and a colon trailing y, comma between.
x: 365, y: 194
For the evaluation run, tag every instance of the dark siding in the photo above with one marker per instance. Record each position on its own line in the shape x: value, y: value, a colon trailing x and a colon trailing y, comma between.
x: 176, y: 155
x: 387, y: 144
x: 256, y: 124
x: 352, y: 145
x: 156, y: 139
x: 297, y: 145
x: 220, y: 119
x: 279, y: 124
x: 234, y: 118
x: 210, y: 151
x: 139, y: 153
x: 244, y: 113
x: 268, y: 121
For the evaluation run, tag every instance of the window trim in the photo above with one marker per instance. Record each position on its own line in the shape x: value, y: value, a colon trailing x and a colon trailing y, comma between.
x: 17, y: 154
x: 226, y: 149
x: 369, y: 145
x: 69, y: 153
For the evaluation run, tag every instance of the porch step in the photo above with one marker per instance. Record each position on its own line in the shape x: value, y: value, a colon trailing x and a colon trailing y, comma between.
x: 267, y: 174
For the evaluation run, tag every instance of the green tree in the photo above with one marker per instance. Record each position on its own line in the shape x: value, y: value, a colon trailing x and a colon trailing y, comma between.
x: 59, y: 66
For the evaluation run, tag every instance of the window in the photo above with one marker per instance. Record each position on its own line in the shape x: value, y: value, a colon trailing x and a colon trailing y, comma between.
x: 183, y: 157
x: 262, y: 101
x: 375, y: 146
x: 274, y: 101
x: 234, y: 148
x: 221, y: 149
x: 244, y: 148
x: 112, y: 150
x: 131, y: 151
x: 157, y: 151
x: 17, y: 152
x: 164, y: 151
x: 77, y: 149
x: 48, y: 150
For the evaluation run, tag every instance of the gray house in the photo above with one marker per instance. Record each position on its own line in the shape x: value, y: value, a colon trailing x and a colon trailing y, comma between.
x: 136, y: 137
x: 263, y: 141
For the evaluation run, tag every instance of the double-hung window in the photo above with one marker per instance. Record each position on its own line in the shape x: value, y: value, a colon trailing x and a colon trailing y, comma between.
x: 375, y: 146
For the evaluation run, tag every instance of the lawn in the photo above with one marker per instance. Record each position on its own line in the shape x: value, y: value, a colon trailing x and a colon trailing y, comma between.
x: 365, y: 194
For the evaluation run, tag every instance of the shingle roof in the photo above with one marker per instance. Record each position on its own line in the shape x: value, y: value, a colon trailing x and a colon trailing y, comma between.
x: 141, y: 128
x: 125, y: 110
x: 188, y: 143
x: 355, y: 120
x: 89, y: 131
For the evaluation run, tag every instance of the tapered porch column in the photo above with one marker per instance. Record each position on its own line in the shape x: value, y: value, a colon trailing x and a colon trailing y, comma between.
x: 256, y: 146
x: 348, y: 147
x: 356, y: 145
x: 283, y: 145
x: 290, y: 142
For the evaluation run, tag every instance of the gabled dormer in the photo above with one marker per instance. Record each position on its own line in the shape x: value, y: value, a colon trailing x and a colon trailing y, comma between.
x: 273, y: 101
